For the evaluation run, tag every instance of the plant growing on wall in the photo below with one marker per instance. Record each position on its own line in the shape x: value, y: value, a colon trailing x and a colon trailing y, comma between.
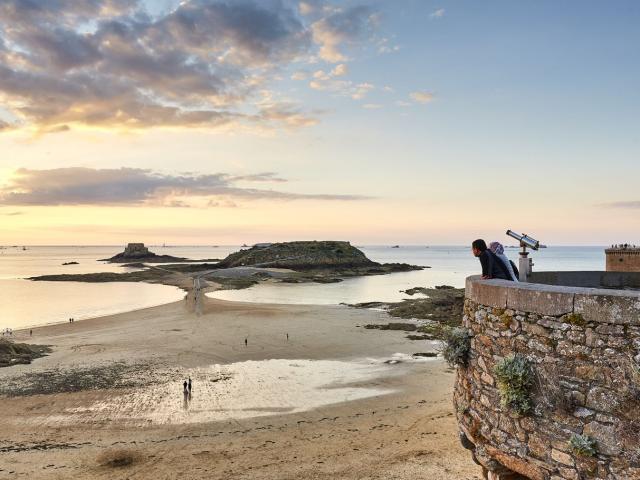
x: 515, y: 378
x: 457, y: 346
x: 582, y: 445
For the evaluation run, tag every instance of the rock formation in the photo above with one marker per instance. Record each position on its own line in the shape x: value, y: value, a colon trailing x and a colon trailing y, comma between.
x: 300, y: 256
x: 137, y: 252
x: 312, y: 255
x: 19, y: 353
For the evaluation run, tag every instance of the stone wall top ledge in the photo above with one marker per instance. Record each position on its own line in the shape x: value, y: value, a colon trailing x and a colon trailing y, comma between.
x: 594, y: 304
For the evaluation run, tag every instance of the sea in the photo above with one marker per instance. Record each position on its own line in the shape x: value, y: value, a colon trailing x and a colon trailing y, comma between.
x: 25, y: 303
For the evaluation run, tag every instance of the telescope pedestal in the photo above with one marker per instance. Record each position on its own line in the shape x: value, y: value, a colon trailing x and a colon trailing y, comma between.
x: 524, y: 265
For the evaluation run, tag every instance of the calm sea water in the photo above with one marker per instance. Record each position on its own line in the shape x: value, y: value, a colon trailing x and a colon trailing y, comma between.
x: 25, y: 303
x: 450, y: 265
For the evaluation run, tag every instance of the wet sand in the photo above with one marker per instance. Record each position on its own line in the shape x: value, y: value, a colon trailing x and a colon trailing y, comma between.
x: 328, y: 406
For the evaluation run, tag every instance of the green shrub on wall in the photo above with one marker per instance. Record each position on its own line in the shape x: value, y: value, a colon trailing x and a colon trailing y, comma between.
x: 582, y: 445
x: 515, y: 379
x: 457, y: 346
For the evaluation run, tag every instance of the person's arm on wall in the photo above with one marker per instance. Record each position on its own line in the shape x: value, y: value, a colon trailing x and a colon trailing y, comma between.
x: 485, y: 261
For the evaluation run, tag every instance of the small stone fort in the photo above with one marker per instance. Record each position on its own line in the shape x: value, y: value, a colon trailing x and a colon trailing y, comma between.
x: 549, y: 388
x: 134, y: 250
x: 623, y: 258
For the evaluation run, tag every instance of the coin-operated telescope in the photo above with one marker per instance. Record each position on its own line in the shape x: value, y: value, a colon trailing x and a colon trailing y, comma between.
x: 525, y: 265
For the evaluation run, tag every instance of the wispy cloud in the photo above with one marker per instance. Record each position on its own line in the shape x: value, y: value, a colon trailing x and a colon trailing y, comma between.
x: 422, y: 97
x: 108, y: 64
x: 331, y: 82
x: 343, y: 27
x: 439, y: 13
x: 11, y: 214
x: 134, y: 186
x: 633, y: 204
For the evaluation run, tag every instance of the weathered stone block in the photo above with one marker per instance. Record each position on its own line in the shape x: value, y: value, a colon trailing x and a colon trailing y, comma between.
x: 606, y: 437
x: 488, y: 379
x: 562, y: 457
x: 610, y: 329
x: 552, y: 322
x: 614, y: 307
x: 592, y: 339
x: 602, y: 399
x: 534, y: 329
x: 491, y: 293
x: 582, y: 412
x: 569, y: 474
x: 540, y: 299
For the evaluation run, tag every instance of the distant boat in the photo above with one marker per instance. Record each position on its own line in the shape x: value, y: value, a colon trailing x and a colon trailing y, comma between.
x: 244, y: 245
x: 396, y: 246
x: 24, y: 248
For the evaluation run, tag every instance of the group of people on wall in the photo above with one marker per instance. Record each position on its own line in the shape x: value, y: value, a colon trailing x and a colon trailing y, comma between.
x: 495, y: 264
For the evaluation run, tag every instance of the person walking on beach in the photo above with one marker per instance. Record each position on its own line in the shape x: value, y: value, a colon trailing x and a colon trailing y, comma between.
x: 287, y: 337
x: 186, y: 395
x: 31, y: 333
x: 498, y: 250
x: 492, y: 266
x: 246, y: 341
x: 189, y: 385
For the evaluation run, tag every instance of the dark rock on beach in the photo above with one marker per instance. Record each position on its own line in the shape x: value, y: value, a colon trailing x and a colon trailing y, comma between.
x: 406, y: 327
x: 441, y: 307
x: 19, y: 353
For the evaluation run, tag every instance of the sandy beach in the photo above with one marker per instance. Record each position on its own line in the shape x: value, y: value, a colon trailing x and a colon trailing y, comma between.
x: 334, y: 400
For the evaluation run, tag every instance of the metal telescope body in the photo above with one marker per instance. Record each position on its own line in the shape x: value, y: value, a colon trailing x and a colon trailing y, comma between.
x: 525, y: 264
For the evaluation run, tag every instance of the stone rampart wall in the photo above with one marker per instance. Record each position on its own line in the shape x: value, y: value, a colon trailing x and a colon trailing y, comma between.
x: 583, y: 346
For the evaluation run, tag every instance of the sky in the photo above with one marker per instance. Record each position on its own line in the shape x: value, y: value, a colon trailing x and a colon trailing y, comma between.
x: 403, y: 122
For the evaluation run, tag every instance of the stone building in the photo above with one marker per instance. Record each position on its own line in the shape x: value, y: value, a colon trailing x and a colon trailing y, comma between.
x: 623, y: 258
x: 550, y: 386
x: 133, y: 250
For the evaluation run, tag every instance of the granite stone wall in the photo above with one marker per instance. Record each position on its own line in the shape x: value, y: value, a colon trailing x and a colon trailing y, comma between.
x: 583, y: 348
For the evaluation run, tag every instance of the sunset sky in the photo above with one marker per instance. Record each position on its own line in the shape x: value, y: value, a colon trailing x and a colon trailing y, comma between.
x: 405, y: 121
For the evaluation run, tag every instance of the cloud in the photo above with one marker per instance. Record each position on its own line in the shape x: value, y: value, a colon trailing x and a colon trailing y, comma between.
x: 345, y: 26
x: 299, y: 75
x: 135, y: 186
x: 372, y: 106
x: 422, y: 97
x: 361, y: 90
x: 439, y: 13
x: 632, y: 205
x: 385, y: 46
x: 12, y: 214
x: 108, y: 64
x: 328, y: 81
x: 339, y: 70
